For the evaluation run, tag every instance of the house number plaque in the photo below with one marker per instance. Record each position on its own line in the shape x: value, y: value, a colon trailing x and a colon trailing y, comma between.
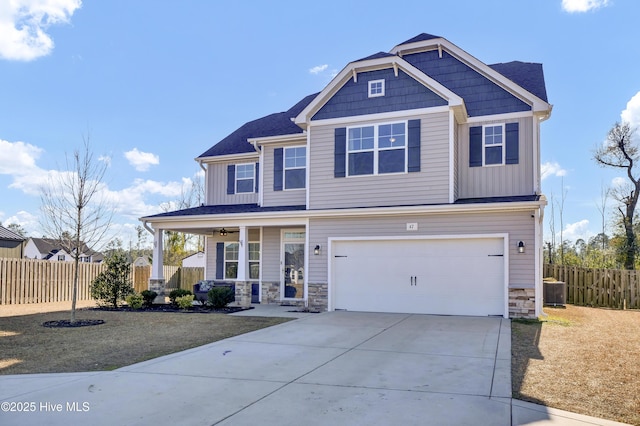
x: 412, y: 226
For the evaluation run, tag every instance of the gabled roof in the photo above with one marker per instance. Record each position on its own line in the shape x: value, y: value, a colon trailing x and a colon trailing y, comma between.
x: 526, y: 74
x: 525, y: 80
x: 49, y: 247
x: 6, y: 234
x: 272, y: 125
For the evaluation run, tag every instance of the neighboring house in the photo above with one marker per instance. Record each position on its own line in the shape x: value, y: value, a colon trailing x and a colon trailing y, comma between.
x: 196, y: 260
x: 52, y: 250
x: 410, y: 183
x: 141, y: 261
x: 11, y: 244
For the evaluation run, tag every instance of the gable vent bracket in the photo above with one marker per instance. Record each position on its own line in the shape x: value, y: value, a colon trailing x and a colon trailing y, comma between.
x: 355, y: 76
x: 395, y: 69
x: 440, y: 50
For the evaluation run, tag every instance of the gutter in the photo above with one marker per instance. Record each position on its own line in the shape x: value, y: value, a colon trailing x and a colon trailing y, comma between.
x: 364, y: 211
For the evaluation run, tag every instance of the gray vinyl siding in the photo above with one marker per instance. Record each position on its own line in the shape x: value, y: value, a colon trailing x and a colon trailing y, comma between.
x: 217, y: 185
x: 496, y: 181
x: 270, y: 254
x: 293, y: 197
x: 519, y: 226
x: 211, y: 253
x: 429, y: 186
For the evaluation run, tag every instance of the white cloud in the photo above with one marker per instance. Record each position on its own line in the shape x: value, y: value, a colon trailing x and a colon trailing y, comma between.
x: 619, y: 182
x: 577, y: 6
x: 577, y: 230
x: 552, y: 169
x: 25, y: 219
x: 23, y: 25
x: 18, y: 157
x: 631, y: 114
x: 141, y: 160
x: 318, y: 69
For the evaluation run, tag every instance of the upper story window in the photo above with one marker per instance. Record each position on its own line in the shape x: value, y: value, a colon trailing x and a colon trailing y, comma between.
x: 493, y: 144
x: 245, y: 175
x: 295, y: 166
x: 376, y: 88
x: 289, y: 168
x: 377, y: 149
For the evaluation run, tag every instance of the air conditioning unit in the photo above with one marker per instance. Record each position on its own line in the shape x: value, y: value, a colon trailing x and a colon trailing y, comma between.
x: 554, y: 293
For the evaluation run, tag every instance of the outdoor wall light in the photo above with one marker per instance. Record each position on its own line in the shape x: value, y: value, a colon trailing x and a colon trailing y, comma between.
x: 223, y: 232
x: 316, y: 249
x: 520, y: 246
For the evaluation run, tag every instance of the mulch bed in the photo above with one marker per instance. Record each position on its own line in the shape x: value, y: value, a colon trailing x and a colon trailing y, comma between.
x: 153, y: 308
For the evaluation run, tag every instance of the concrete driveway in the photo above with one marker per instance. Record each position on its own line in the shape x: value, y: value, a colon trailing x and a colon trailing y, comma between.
x: 337, y: 368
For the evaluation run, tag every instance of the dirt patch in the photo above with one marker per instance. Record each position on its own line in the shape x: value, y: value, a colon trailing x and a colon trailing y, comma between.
x: 579, y: 359
x: 125, y: 338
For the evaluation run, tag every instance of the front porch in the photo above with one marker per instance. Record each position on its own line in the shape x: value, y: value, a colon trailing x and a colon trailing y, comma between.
x: 266, y: 264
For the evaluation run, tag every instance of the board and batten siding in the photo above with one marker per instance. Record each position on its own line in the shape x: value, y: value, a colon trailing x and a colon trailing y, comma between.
x: 291, y: 197
x: 519, y: 226
x: 496, y: 181
x: 217, y: 185
x: 429, y: 186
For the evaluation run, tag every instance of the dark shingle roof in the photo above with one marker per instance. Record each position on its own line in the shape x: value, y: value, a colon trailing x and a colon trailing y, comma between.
x: 420, y: 37
x: 227, y: 209
x: 528, y: 75
x: 51, y: 246
x: 272, y: 125
x: 6, y: 234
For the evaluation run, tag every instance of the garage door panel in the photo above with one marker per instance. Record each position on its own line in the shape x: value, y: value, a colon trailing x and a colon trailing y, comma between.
x: 455, y: 276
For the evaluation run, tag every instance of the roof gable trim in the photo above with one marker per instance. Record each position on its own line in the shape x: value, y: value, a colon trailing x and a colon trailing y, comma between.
x: 352, y: 70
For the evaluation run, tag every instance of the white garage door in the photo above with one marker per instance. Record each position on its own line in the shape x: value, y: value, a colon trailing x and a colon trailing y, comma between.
x: 432, y: 276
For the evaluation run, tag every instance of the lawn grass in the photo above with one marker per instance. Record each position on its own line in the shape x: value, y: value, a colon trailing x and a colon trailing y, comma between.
x: 125, y: 338
x: 580, y: 359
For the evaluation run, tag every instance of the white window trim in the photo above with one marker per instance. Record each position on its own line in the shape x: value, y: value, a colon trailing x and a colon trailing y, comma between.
x: 503, y: 145
x: 376, y: 149
x: 285, y: 168
x: 371, y: 84
x: 295, y: 240
x: 253, y: 180
x: 225, y: 261
x: 259, y: 261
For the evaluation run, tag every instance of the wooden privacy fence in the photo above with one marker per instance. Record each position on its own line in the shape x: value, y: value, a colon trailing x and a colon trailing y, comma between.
x: 24, y: 281
x: 610, y: 288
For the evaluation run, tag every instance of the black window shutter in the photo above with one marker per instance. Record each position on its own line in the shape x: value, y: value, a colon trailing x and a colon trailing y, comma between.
x: 475, y: 146
x: 257, y: 179
x: 413, y: 136
x: 340, y: 152
x: 278, y: 166
x: 231, y: 179
x: 511, y: 130
x: 219, y: 261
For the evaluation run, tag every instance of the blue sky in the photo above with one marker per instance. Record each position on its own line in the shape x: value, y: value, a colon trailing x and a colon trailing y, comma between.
x: 156, y: 83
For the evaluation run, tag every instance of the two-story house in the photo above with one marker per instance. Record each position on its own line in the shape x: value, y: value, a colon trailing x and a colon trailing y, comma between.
x: 54, y: 250
x: 410, y: 183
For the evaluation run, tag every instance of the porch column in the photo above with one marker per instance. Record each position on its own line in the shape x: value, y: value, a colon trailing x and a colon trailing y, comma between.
x: 156, y: 281
x: 243, y: 287
x: 243, y: 254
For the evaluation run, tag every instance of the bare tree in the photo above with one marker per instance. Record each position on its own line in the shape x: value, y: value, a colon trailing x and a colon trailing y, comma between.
x: 605, y: 191
x: 74, y: 210
x: 622, y: 152
x: 561, y: 211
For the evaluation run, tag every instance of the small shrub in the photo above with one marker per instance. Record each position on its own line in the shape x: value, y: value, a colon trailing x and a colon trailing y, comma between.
x: 148, y: 296
x: 185, y: 302
x: 135, y: 301
x: 220, y: 297
x: 113, y: 285
x: 178, y: 292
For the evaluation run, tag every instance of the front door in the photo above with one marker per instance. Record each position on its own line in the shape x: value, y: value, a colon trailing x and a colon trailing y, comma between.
x: 292, y: 284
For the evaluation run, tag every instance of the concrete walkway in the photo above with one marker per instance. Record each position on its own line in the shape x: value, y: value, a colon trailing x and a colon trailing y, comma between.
x: 338, y: 368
